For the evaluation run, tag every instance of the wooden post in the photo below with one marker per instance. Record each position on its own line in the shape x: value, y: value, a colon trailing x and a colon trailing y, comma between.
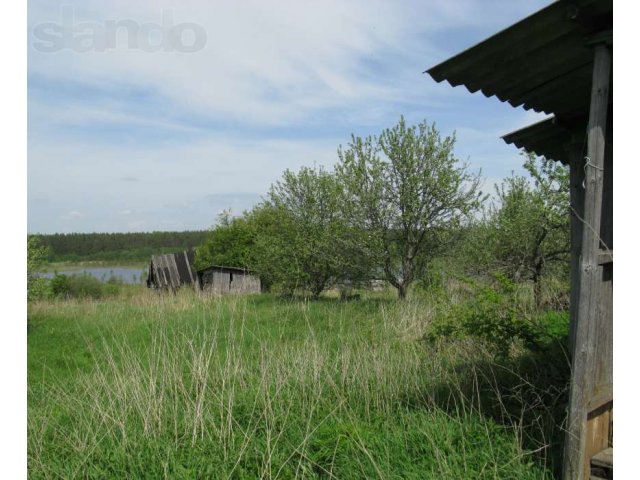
x: 576, y: 190
x: 576, y: 463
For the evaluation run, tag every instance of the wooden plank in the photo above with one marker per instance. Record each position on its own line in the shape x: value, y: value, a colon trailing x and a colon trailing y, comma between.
x: 576, y: 193
x: 174, y: 273
x: 186, y: 259
x: 597, y: 433
x: 604, y: 458
x: 600, y: 396
x: 605, y: 257
x: 576, y: 464
x: 606, y: 224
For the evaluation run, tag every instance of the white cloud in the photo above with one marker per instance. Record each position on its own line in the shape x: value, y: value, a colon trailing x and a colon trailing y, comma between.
x: 278, y: 85
x: 72, y: 215
x: 264, y: 62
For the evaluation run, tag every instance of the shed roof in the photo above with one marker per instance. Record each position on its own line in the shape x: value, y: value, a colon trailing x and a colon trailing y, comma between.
x: 543, y: 63
x: 171, y: 270
x: 546, y: 138
x: 223, y: 267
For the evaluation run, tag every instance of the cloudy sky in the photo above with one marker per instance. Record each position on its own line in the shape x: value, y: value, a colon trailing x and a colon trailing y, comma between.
x: 211, y: 101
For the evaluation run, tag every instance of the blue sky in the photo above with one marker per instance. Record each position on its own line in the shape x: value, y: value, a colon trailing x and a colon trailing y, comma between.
x: 131, y: 140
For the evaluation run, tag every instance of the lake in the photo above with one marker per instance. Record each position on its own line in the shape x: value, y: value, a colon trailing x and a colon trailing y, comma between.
x: 126, y: 274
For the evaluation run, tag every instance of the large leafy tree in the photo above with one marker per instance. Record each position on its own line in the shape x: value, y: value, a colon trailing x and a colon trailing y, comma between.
x: 407, y: 191
x: 529, y: 226
x: 308, y: 244
x: 229, y: 244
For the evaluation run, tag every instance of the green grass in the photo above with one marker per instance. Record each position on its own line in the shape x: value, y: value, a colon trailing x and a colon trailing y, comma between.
x: 143, y: 386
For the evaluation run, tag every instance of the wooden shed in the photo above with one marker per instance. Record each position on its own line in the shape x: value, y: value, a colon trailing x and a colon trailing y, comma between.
x: 222, y: 280
x: 171, y: 271
x: 559, y: 61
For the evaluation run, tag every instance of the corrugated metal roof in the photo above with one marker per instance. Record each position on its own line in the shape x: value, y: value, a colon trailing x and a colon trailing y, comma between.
x: 542, y: 62
x: 546, y: 138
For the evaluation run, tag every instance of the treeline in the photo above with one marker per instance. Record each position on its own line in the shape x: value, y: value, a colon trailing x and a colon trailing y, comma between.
x: 399, y: 207
x: 117, y: 246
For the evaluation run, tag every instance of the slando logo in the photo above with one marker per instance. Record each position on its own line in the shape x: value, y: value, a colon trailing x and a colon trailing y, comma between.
x: 99, y: 37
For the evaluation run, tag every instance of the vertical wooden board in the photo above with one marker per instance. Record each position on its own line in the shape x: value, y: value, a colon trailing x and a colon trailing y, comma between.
x: 188, y: 266
x: 235, y: 282
x: 221, y: 282
x: 576, y: 179
x: 603, y: 336
x: 239, y: 282
x: 597, y: 434
x: 255, y: 287
x: 606, y: 222
x: 588, y: 319
x: 173, y: 268
x: 163, y: 281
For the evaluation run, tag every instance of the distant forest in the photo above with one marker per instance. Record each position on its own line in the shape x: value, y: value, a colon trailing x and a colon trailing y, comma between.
x: 134, y: 247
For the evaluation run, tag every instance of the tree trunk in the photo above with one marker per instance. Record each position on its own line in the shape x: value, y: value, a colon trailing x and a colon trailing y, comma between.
x: 537, y: 285
x: 402, y: 291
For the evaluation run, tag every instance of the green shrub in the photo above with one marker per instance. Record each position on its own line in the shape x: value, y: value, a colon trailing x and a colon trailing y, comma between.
x: 498, y: 317
x: 76, y: 286
x: 433, y: 281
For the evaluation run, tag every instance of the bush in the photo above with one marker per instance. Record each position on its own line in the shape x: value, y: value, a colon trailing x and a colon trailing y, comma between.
x: 497, y: 316
x: 433, y: 280
x: 36, y: 257
x: 76, y: 286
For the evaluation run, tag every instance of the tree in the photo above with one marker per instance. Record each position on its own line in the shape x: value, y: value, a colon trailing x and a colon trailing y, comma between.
x: 37, y: 255
x: 408, y: 192
x: 530, y: 224
x: 229, y: 244
x: 307, y: 244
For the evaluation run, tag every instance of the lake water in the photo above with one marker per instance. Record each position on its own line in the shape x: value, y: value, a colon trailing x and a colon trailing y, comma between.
x: 126, y: 274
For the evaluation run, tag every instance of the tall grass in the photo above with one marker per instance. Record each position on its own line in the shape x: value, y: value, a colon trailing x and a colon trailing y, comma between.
x: 257, y: 387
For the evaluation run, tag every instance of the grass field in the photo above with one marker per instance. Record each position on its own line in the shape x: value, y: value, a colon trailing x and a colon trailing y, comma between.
x: 142, y: 386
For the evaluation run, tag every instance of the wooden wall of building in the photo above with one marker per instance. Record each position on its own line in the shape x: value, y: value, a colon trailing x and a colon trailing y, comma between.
x: 220, y: 281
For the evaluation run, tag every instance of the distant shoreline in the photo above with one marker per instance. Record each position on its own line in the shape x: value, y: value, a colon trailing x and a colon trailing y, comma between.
x: 70, y: 266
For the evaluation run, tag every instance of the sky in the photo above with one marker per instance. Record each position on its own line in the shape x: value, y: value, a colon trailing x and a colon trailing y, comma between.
x: 159, y: 115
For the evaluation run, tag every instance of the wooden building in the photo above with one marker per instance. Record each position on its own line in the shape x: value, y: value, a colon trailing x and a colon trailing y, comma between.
x: 171, y: 271
x: 174, y: 270
x: 223, y: 280
x: 559, y: 61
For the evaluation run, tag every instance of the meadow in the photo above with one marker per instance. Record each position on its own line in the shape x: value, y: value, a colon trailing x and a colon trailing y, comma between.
x: 138, y: 385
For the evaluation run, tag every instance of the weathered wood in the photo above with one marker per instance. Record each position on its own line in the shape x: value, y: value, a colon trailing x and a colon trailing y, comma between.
x: 589, y: 316
x: 606, y: 224
x: 604, y: 458
x: 186, y: 259
x: 597, y: 433
x: 171, y: 270
x: 576, y: 191
x: 602, y: 395
x: 602, y: 465
x: 605, y: 256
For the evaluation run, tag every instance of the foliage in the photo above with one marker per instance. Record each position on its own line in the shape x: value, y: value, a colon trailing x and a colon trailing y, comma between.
x: 306, y: 242
x: 228, y: 244
x: 408, y: 192
x: 499, y: 317
x: 137, y: 246
x: 529, y: 230
x: 83, y: 286
x: 37, y: 255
